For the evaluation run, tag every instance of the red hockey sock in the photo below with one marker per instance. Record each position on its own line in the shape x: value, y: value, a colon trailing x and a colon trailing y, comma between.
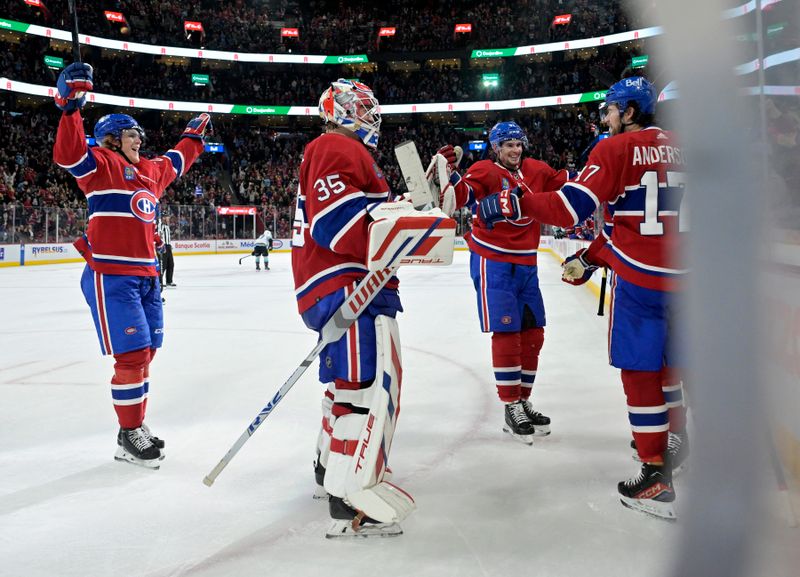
x: 647, y: 413
x: 672, y: 386
x: 532, y: 341
x: 507, y: 365
x: 127, y: 387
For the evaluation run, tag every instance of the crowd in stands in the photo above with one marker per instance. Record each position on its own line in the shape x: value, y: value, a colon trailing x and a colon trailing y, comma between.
x: 335, y: 27
x: 259, y: 167
x: 248, y: 83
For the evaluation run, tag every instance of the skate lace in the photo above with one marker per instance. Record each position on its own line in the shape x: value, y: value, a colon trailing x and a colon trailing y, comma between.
x: 517, y: 413
x: 531, y: 411
x: 139, y: 439
x: 636, y: 480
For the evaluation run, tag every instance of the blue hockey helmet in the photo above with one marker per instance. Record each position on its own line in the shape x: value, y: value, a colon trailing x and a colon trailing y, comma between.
x: 637, y: 89
x: 114, y: 124
x: 503, y: 131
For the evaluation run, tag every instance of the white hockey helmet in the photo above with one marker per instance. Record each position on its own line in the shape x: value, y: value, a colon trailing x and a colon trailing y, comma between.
x: 353, y: 106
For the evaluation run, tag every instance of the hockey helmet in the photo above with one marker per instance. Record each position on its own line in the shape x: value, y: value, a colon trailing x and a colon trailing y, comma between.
x: 114, y: 124
x: 353, y: 106
x: 637, y: 89
x: 504, y: 131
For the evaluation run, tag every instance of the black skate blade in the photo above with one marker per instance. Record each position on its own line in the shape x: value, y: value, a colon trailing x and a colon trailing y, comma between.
x: 343, y: 528
x: 662, y: 511
x: 541, y: 430
x: 525, y: 439
x: 125, y: 457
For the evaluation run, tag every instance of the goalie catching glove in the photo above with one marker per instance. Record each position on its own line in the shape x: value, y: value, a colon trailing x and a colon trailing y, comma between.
x: 503, y: 205
x: 576, y: 269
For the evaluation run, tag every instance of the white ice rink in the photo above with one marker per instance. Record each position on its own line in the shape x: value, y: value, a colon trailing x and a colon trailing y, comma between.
x: 487, y: 505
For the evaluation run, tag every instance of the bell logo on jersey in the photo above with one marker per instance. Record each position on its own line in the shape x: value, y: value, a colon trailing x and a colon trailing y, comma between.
x: 143, y: 205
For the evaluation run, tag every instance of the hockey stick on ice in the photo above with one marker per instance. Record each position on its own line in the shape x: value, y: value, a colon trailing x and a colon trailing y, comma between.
x: 601, y: 306
x: 333, y: 330
x: 244, y: 257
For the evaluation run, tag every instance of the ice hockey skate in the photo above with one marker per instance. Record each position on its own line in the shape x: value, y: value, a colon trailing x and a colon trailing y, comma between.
x: 678, y: 450
x: 159, y: 443
x: 518, y: 425
x: 650, y: 492
x: 541, y: 423
x: 348, y: 522
x: 134, y: 446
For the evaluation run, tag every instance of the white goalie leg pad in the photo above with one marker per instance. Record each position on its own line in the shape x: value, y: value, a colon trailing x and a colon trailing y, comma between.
x: 324, y: 437
x: 400, y: 235
x: 361, y: 443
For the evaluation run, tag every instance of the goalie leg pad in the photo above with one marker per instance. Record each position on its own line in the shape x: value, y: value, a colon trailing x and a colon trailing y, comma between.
x: 363, y: 430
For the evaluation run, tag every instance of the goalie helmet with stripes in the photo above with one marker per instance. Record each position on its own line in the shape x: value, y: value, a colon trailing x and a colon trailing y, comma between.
x: 353, y: 106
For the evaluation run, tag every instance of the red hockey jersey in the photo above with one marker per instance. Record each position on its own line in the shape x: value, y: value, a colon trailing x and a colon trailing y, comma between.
x: 340, y: 183
x: 122, y: 197
x: 639, y: 177
x: 518, y: 241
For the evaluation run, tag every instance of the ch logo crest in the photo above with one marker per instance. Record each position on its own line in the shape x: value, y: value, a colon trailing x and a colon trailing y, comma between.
x: 143, y: 205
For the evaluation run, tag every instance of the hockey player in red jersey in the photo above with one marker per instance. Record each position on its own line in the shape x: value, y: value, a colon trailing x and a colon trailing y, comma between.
x: 120, y: 282
x: 503, y: 266
x: 340, y: 186
x: 638, y: 174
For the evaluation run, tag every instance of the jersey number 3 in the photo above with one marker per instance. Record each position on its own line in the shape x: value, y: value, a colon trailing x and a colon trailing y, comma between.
x: 668, y: 191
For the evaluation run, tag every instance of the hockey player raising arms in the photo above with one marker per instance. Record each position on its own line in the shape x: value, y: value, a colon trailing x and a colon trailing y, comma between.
x: 504, y: 269
x: 637, y: 172
x: 120, y: 282
x: 340, y: 184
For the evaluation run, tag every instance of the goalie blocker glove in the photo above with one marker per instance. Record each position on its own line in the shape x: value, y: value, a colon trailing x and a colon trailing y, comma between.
x: 72, y: 85
x: 198, y: 126
x: 576, y: 269
x: 503, y: 205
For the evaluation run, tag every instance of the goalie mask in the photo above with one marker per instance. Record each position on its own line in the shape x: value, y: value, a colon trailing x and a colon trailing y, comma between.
x: 352, y: 105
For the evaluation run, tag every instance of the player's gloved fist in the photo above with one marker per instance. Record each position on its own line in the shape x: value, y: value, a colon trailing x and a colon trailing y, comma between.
x: 449, y: 154
x: 72, y: 85
x: 576, y: 269
x: 198, y: 126
x: 503, y: 205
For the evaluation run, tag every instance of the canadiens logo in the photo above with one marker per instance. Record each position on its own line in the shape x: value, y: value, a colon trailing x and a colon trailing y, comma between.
x: 506, y: 320
x: 130, y: 331
x: 129, y: 173
x: 143, y: 205
x: 377, y: 170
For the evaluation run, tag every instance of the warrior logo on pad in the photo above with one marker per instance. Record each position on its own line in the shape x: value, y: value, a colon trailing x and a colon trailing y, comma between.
x: 143, y: 205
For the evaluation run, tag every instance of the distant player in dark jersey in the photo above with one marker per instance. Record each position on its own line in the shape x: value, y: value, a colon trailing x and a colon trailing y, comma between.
x: 638, y: 175
x: 504, y: 271
x: 340, y: 184
x: 120, y: 281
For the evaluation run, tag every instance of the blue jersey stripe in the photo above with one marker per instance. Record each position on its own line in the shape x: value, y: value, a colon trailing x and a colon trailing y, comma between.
x: 110, y: 203
x: 86, y: 166
x: 326, y: 227
x: 580, y: 201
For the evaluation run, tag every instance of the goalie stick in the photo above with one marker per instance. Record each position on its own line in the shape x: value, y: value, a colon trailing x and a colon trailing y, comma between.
x: 415, y: 176
x: 333, y: 330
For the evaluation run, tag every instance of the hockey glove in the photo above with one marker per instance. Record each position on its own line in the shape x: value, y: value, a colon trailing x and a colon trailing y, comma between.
x: 577, y: 270
x: 198, y: 126
x: 72, y: 85
x: 503, y: 205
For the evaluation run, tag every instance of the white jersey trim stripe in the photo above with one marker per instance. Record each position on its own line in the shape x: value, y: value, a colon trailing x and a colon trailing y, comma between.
x: 110, y: 191
x: 343, y: 231
x: 635, y: 262
x: 68, y: 166
x: 124, y: 258
x: 123, y: 214
x: 328, y: 271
